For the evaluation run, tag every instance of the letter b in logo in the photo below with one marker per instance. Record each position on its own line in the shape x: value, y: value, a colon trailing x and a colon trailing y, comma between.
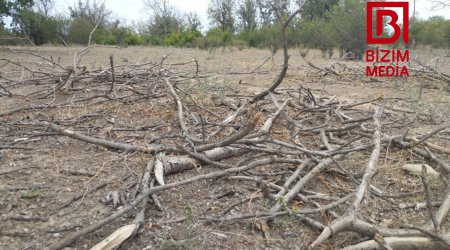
x: 380, y: 13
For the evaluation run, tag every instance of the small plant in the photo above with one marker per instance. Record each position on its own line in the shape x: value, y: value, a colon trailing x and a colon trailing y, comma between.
x: 181, y: 244
x: 281, y: 201
x: 189, y: 214
x: 282, y: 222
x: 33, y: 194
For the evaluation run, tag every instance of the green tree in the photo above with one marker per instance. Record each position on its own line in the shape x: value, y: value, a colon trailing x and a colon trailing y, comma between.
x: 265, y: 37
x: 38, y: 27
x: 86, y: 15
x: 12, y: 8
x: 95, y: 11
x: 317, y: 34
x: 79, y: 30
x: 44, y: 6
x: 348, y: 20
x: 317, y: 9
x: 266, y: 12
x: 434, y: 32
x: 164, y: 20
x: 221, y: 14
x: 247, y: 15
x: 192, y: 21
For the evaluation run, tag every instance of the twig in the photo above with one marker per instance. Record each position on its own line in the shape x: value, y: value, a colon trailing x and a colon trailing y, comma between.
x: 350, y: 218
x: 105, y: 143
x: 274, y: 214
x: 7, y: 91
x: 426, y: 188
x: 95, y: 28
x: 73, y: 237
x: 284, y: 41
x: 180, y: 113
x: 111, y: 60
x: 23, y: 218
x: 428, y: 136
x: 81, y: 195
x: 435, y: 235
x: 8, y: 171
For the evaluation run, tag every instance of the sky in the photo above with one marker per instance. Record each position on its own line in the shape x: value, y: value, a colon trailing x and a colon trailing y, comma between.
x: 133, y: 10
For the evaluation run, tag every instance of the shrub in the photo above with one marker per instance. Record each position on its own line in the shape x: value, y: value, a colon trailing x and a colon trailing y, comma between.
x: 79, y: 30
x: 434, y: 32
x: 106, y: 39
x: 40, y: 28
x: 134, y: 39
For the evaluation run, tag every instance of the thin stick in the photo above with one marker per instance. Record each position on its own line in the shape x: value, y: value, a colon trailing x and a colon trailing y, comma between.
x: 71, y: 238
x: 111, y: 60
x: 350, y: 220
x: 180, y: 113
x: 426, y: 188
x: 284, y: 41
x: 428, y: 136
x: 95, y: 28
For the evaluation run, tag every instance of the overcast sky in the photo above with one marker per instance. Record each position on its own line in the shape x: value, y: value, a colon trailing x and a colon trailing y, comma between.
x: 133, y: 10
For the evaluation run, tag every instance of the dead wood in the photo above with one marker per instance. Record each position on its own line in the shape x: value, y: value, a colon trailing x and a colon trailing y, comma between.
x: 24, y: 218
x: 91, y: 190
x: 347, y: 220
x: 105, y: 143
x: 298, y: 154
x: 401, y: 243
x: 274, y: 214
x: 284, y: 41
x: 71, y: 238
x: 12, y: 170
x: 426, y: 188
x: 431, y: 145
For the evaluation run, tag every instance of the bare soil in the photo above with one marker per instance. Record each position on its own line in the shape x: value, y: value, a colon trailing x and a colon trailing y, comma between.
x: 40, y: 190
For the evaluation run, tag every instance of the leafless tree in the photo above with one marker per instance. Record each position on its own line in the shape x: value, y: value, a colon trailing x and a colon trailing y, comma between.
x: 193, y: 22
x: 440, y: 4
x: 267, y: 15
x: 95, y: 10
x: 221, y: 14
x: 44, y: 6
x: 247, y: 14
x: 164, y: 17
x: 159, y: 7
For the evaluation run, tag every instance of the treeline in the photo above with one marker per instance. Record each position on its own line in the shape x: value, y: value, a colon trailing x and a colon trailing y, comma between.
x: 323, y: 24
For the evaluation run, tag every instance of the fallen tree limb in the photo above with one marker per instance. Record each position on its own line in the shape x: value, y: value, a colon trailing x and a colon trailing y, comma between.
x: 401, y: 243
x: 71, y: 238
x: 349, y: 220
x: 284, y: 42
x: 274, y: 214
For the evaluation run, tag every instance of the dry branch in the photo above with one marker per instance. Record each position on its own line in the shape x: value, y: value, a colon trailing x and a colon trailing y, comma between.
x: 401, y: 243
x: 284, y: 41
x: 71, y: 238
x: 281, y: 146
x: 348, y: 220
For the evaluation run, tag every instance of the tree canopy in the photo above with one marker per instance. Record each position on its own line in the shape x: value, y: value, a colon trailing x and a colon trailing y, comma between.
x: 322, y: 24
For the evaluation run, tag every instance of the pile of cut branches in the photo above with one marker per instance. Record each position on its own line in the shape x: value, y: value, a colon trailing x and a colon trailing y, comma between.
x: 284, y: 140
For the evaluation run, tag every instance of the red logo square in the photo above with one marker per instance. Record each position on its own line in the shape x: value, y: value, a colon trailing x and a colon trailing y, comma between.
x: 381, y: 12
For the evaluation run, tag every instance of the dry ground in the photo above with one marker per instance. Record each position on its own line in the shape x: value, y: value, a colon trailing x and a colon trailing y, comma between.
x: 40, y: 190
